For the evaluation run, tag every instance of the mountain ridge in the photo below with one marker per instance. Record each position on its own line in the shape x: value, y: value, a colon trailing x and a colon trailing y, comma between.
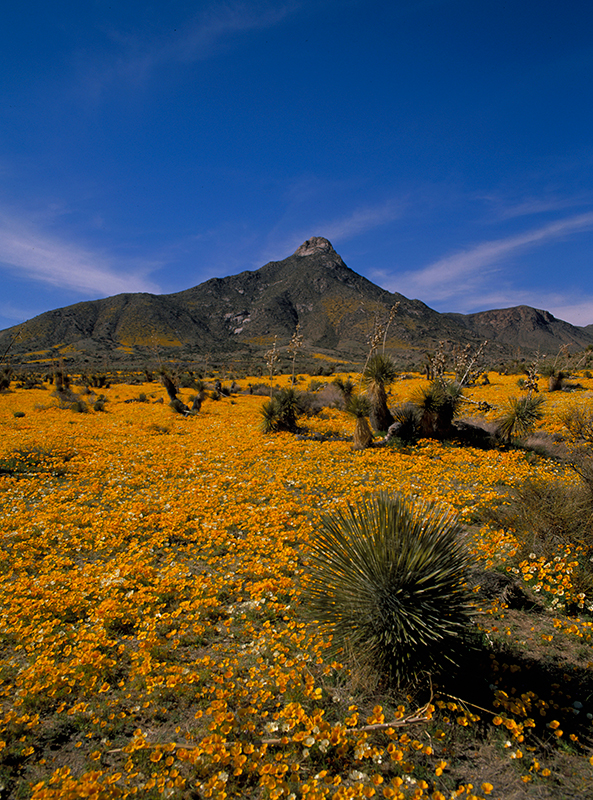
x: 240, y: 316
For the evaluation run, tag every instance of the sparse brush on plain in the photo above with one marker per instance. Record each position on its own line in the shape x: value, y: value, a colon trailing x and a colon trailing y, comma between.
x: 359, y: 407
x: 520, y: 416
x: 387, y: 580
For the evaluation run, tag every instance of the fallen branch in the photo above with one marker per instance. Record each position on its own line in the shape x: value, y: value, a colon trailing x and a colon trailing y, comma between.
x: 423, y: 714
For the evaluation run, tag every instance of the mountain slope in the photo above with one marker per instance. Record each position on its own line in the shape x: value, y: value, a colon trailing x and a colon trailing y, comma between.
x: 239, y: 316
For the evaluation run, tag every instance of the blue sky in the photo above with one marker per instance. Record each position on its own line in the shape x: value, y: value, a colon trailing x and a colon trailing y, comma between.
x: 445, y: 147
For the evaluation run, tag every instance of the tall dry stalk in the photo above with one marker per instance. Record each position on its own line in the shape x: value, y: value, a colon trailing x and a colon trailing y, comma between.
x: 272, y: 357
x: 294, y: 347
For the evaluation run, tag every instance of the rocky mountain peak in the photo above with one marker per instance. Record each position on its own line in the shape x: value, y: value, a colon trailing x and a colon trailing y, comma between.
x: 316, y: 244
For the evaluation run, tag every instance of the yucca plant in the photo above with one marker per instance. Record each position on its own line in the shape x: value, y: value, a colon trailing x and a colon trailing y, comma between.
x: 554, y: 375
x: 379, y: 372
x: 281, y: 411
x: 438, y: 405
x: 359, y: 407
x: 521, y: 416
x: 346, y: 388
x: 387, y: 579
x: 408, y: 417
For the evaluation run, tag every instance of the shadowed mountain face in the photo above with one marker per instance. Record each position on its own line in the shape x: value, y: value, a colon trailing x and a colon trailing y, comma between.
x: 241, y: 315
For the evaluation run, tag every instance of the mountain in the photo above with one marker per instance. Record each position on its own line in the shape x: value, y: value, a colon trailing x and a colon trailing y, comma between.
x: 525, y: 328
x: 237, y: 319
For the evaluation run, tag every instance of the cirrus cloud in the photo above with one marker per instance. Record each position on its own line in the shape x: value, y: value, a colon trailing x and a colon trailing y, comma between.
x: 33, y: 254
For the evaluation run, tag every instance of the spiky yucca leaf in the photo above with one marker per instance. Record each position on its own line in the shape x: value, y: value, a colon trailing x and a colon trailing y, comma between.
x: 387, y: 579
x: 358, y: 406
x: 521, y: 416
x: 269, y: 413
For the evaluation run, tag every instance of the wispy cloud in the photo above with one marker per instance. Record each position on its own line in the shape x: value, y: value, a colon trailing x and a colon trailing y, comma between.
x: 469, y: 269
x: 35, y: 255
x: 341, y: 229
x: 206, y: 35
x: 362, y: 220
x: 139, y: 54
x: 537, y: 205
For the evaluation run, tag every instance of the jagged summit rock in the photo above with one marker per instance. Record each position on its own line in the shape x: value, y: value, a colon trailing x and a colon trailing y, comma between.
x: 316, y: 244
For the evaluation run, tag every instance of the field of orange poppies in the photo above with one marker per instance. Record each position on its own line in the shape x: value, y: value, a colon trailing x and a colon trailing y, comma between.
x: 153, y: 639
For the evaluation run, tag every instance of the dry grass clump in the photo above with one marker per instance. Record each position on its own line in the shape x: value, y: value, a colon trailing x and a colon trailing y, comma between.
x: 577, y: 418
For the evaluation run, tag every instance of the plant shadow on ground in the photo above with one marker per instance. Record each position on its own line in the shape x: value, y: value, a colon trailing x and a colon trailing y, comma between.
x: 532, y: 704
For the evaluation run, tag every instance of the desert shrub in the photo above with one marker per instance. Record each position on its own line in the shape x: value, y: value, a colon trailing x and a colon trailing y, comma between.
x: 260, y: 389
x: 186, y: 381
x: 386, y: 578
x: 328, y: 397
x: 179, y: 407
x: 314, y: 386
x: 520, y: 416
x: 554, y: 375
x: 281, y: 411
x: 312, y: 403
x: 438, y: 405
x: 18, y: 414
x: 78, y: 406
x: 407, y: 418
x: 28, y: 381
x: 546, y: 516
x: 5, y: 377
x: 96, y: 381
x: 577, y: 418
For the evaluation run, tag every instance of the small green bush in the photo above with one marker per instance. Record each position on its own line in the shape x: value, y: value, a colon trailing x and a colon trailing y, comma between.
x: 18, y: 414
x: 387, y: 579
